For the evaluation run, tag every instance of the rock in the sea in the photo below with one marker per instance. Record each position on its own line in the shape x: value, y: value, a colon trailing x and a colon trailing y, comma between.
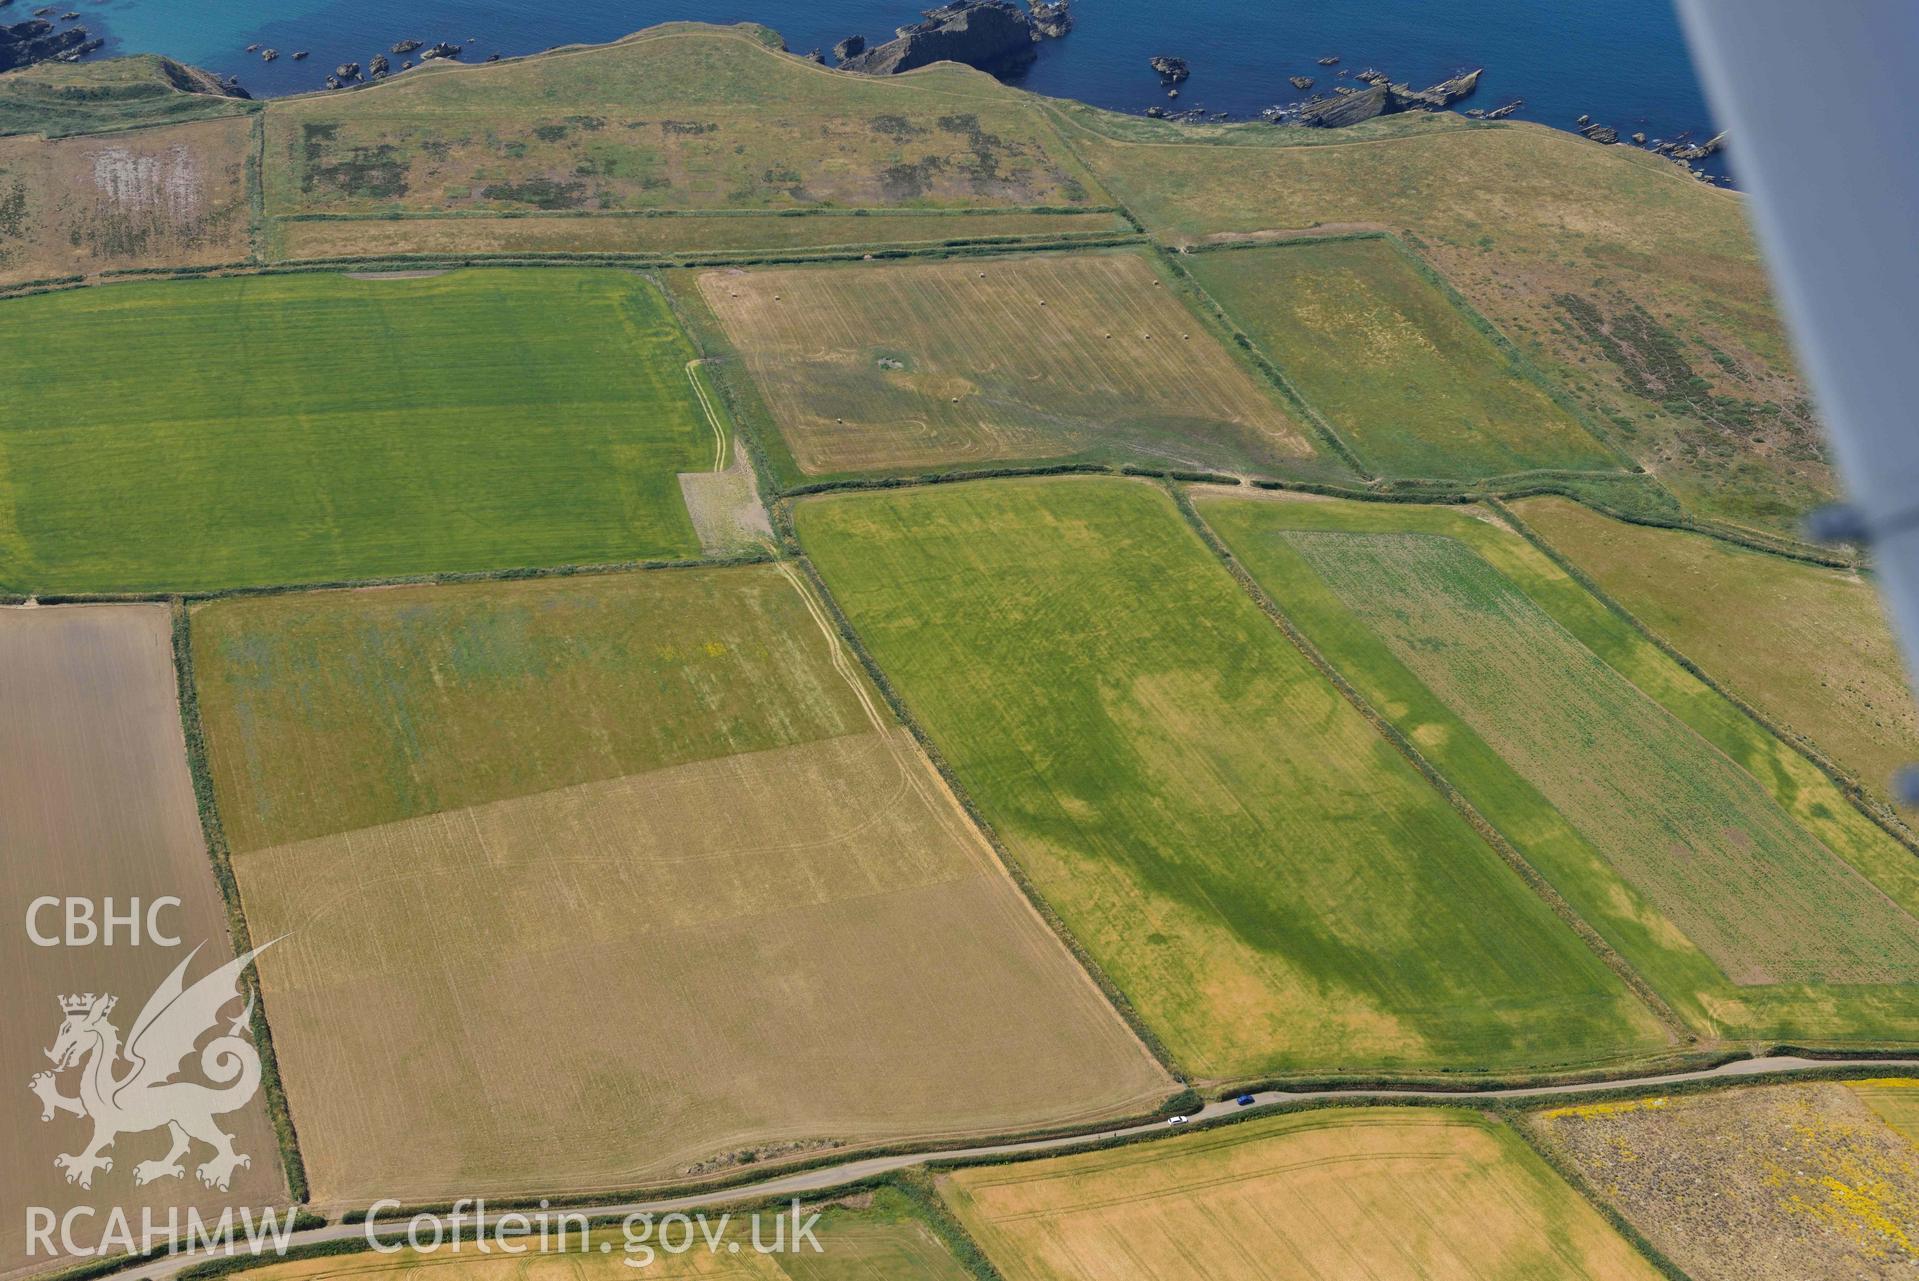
x: 1443, y: 94
x: 1330, y: 60
x: 1601, y: 133
x: 1337, y: 113
x: 1157, y: 113
x: 1373, y: 76
x: 815, y: 55
x: 848, y: 47
x: 26, y: 43
x: 404, y: 46
x: 1383, y: 98
x: 347, y: 71
x: 1171, y: 70
x: 1301, y: 83
x: 1583, y: 121
x: 1699, y: 151
x: 379, y: 65
x: 268, y: 55
x: 990, y: 34
x: 1051, y: 18
x: 301, y: 55
x: 440, y: 50
x: 1639, y: 138
x: 252, y: 48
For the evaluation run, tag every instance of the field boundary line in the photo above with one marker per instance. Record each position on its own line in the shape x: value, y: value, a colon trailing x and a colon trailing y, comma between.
x: 443, y: 579
x: 255, y: 171
x: 279, y: 1112
x: 1271, y: 370
x: 1841, y: 778
x: 1531, y: 372
x: 796, y: 211
x: 1582, y: 1187
x: 1115, y: 997
x: 1508, y: 853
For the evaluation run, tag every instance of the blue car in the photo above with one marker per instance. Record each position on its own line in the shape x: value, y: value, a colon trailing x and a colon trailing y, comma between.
x: 1244, y: 1100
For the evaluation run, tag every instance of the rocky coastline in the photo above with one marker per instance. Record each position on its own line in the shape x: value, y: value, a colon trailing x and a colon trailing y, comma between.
x: 993, y: 35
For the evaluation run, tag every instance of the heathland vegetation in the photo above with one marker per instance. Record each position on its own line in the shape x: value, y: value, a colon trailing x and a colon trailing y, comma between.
x: 1726, y: 868
x: 636, y: 860
x: 310, y: 428
x: 1272, y: 885
x: 1427, y: 1194
x: 1770, y: 1183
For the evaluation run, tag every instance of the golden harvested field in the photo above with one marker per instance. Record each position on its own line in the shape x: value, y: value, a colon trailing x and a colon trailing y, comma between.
x: 1617, y: 273
x: 344, y: 237
x: 168, y: 196
x: 654, y: 974
x: 681, y: 116
x: 869, y: 1236
x: 95, y: 800
x: 1808, y: 646
x: 930, y: 364
x: 1424, y: 1194
x: 1783, y: 1181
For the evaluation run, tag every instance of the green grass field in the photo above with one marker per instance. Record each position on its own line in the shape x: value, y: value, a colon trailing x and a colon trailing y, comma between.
x: 206, y: 434
x: 1808, y: 646
x: 1265, y: 878
x: 1416, y: 1194
x: 1731, y: 873
x: 397, y: 698
x: 1404, y: 375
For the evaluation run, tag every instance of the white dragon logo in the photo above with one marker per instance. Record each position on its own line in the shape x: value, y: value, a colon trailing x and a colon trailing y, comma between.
x: 145, y: 1096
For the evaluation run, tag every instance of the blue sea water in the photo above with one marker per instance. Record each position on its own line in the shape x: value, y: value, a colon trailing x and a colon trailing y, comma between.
x: 1623, y: 62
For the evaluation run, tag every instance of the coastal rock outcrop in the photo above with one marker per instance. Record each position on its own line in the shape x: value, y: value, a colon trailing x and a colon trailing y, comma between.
x: 26, y: 43
x: 1384, y: 98
x: 848, y: 47
x: 1301, y: 83
x: 440, y: 50
x: 379, y: 66
x: 1171, y: 70
x: 989, y: 34
x: 1443, y: 94
x: 404, y: 46
x: 1051, y: 18
x: 1347, y: 109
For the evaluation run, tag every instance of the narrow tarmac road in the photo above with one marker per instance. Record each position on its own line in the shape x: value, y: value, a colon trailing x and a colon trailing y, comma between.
x: 826, y: 1178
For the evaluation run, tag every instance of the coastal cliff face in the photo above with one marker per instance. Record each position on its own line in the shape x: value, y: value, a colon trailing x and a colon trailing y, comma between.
x: 980, y: 33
